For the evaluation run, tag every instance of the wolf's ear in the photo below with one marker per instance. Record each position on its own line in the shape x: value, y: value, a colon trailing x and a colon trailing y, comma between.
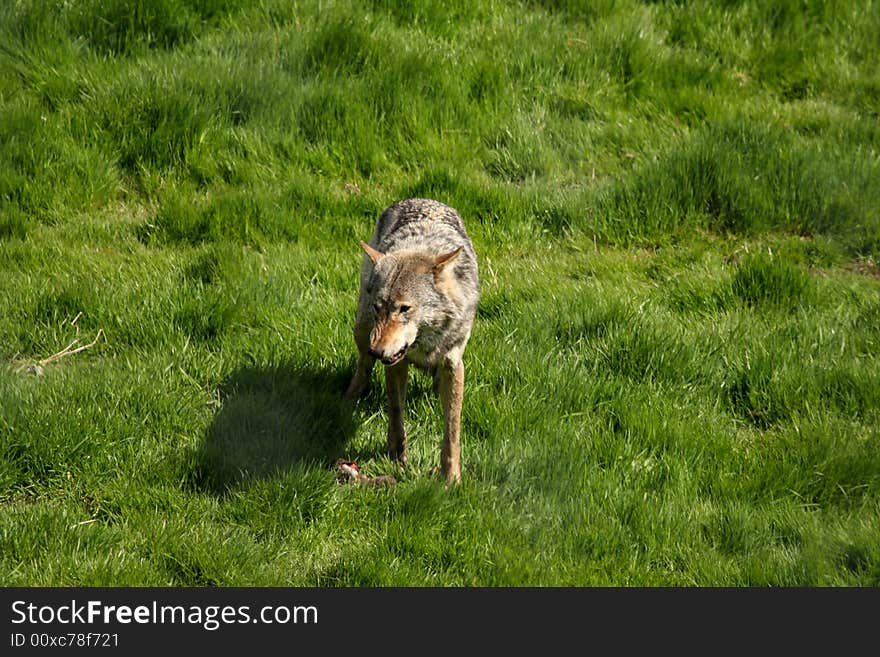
x: 375, y: 255
x: 441, y: 261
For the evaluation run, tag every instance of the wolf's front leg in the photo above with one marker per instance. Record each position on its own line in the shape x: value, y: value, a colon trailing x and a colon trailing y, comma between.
x: 361, y: 378
x: 365, y: 362
x: 395, y: 383
x: 450, y: 385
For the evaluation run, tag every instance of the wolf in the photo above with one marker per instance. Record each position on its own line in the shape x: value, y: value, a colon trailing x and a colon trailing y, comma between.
x: 419, y: 290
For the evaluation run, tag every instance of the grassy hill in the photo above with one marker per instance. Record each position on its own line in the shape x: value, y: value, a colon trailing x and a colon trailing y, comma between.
x: 673, y: 378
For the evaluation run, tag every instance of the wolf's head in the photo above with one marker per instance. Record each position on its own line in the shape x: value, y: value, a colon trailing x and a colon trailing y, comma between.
x: 409, y: 294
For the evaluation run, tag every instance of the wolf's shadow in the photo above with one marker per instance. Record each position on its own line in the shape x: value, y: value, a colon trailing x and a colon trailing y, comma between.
x: 273, y: 419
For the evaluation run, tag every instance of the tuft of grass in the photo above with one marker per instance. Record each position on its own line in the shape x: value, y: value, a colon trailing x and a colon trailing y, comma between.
x: 742, y: 180
x: 761, y: 280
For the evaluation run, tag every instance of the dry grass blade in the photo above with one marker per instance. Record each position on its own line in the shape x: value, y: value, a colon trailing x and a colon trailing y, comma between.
x: 69, y: 349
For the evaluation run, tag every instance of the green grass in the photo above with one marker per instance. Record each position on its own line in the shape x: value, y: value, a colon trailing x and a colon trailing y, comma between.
x: 673, y: 376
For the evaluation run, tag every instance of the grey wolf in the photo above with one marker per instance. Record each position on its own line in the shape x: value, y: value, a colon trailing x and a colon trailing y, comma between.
x: 419, y: 291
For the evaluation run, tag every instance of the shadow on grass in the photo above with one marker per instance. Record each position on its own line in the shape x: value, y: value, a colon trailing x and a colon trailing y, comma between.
x: 272, y: 420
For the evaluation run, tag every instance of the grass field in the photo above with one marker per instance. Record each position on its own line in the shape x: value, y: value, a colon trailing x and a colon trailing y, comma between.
x: 673, y: 378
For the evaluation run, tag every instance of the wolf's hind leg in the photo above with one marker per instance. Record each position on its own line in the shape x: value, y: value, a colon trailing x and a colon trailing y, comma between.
x: 395, y: 382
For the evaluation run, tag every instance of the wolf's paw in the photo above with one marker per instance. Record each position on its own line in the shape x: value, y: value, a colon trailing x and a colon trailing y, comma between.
x: 451, y: 480
x: 398, y: 457
x: 355, y: 390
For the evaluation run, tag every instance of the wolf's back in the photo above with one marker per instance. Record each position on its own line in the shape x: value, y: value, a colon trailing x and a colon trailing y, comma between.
x: 418, y: 222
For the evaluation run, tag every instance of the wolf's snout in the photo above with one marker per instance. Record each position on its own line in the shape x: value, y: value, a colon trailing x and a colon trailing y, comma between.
x: 386, y: 358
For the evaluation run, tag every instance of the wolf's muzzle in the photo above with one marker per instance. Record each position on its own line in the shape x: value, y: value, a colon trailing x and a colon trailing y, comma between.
x: 389, y: 360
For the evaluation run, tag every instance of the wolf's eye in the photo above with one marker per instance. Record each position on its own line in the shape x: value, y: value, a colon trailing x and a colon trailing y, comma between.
x: 404, y: 309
